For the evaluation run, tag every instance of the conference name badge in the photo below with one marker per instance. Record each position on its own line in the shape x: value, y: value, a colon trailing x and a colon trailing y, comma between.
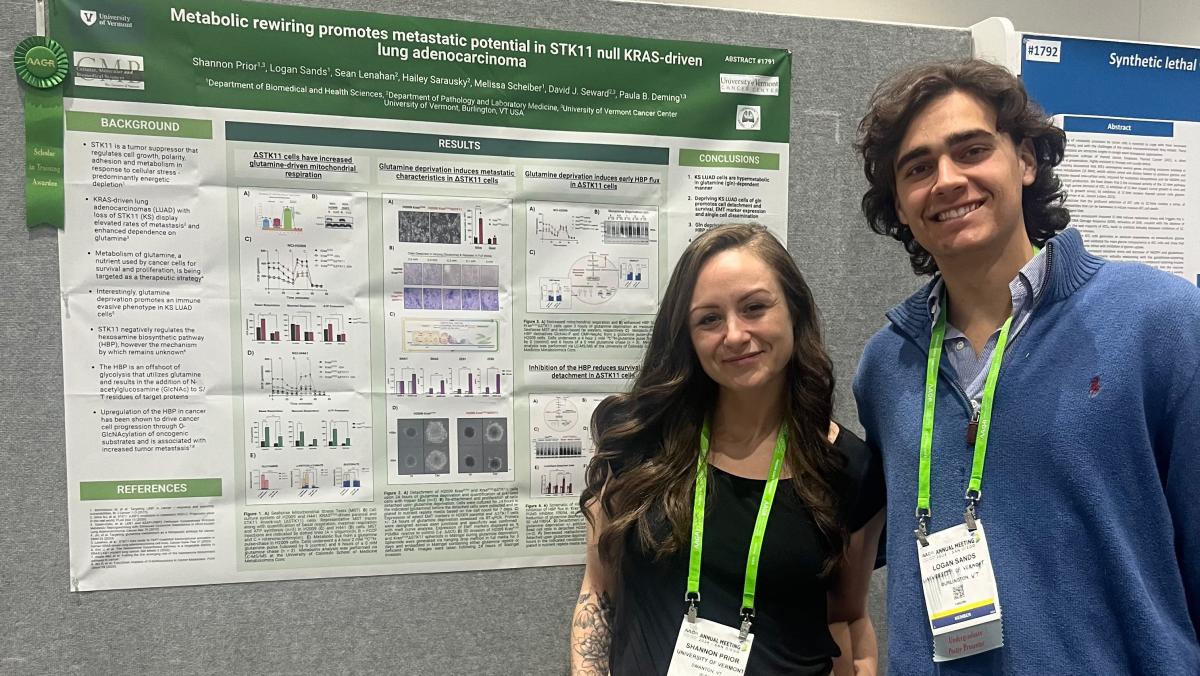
x: 960, y: 593
x: 706, y: 648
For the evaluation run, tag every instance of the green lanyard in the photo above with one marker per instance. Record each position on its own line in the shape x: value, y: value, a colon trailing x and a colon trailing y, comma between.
x: 981, y: 435
x: 760, y: 526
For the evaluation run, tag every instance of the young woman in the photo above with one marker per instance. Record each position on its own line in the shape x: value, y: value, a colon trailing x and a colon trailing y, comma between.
x: 735, y: 390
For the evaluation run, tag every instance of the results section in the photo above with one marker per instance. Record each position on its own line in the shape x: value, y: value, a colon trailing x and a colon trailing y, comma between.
x: 307, y: 369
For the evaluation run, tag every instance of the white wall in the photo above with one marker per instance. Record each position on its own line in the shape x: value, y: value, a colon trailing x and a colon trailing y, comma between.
x: 1169, y: 21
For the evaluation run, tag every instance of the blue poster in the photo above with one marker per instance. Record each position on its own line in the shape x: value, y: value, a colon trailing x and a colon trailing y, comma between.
x: 1131, y: 171
x: 1116, y: 79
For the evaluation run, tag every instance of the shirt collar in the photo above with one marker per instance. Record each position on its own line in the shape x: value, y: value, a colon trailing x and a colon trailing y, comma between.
x: 1023, y: 288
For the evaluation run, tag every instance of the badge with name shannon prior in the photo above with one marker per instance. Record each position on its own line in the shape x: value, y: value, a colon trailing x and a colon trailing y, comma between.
x: 960, y: 593
x: 707, y: 648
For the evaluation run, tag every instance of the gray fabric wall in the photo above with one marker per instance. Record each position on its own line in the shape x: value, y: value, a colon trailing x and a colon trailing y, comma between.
x: 500, y: 622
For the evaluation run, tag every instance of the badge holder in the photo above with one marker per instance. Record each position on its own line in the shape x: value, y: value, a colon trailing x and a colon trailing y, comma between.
x: 957, y: 580
x: 744, y: 629
x: 704, y: 647
x: 959, y: 585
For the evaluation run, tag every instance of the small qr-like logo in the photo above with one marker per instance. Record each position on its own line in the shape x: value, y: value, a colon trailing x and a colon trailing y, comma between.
x: 749, y: 117
x: 960, y: 592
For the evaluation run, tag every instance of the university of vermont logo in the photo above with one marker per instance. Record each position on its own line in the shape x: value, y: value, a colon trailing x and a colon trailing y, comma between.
x: 88, y: 17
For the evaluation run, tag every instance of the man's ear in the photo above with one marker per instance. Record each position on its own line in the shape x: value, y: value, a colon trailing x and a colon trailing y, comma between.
x: 1028, y: 160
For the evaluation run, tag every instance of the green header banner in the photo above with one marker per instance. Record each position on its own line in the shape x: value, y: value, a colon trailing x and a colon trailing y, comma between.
x: 142, y: 489
x: 439, y: 143
x: 256, y: 56
x: 140, y: 125
x: 738, y: 159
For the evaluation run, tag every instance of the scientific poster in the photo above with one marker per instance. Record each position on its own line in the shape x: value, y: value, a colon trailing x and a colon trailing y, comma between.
x: 342, y: 290
x: 1132, y: 169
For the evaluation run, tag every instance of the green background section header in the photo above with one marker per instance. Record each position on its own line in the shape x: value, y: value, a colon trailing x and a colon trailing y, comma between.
x: 439, y: 143
x: 149, y: 488
x: 739, y: 159
x: 141, y: 125
x: 245, y: 55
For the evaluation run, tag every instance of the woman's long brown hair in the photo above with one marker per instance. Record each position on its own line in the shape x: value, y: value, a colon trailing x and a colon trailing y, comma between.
x: 647, y: 440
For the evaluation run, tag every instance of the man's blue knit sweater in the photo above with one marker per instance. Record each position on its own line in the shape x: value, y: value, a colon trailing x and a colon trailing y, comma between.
x: 1091, y: 492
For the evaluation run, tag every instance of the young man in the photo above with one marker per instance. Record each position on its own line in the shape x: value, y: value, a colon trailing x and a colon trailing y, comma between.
x: 1090, y: 424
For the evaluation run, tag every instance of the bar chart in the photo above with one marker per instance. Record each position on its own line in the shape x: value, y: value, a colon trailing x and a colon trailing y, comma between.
x: 304, y: 482
x: 291, y: 211
x: 301, y: 478
x: 634, y: 272
x: 277, y: 432
x: 557, y: 483
x: 474, y: 228
x: 302, y: 327
x: 555, y: 293
x: 276, y: 211
x: 463, y: 381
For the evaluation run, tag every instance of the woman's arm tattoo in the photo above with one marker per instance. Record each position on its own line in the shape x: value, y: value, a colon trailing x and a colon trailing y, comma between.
x: 594, y: 618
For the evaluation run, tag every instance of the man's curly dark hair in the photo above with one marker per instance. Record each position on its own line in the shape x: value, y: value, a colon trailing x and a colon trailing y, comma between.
x: 903, y: 96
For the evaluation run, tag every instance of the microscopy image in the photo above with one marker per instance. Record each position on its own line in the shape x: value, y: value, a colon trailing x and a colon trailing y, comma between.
x: 432, y: 274
x: 470, y: 275
x: 414, y: 226
x: 495, y: 444
x: 489, y: 299
x: 470, y: 299
x: 489, y: 276
x: 414, y: 274
x: 430, y: 227
x: 445, y: 227
x: 423, y: 445
x: 432, y: 299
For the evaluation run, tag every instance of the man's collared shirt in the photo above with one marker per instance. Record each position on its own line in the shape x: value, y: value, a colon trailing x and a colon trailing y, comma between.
x: 969, y: 369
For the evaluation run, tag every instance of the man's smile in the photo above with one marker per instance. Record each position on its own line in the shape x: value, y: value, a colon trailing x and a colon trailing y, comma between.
x: 957, y: 212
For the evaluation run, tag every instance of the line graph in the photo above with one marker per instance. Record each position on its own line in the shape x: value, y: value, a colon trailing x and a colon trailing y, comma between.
x: 290, y: 273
